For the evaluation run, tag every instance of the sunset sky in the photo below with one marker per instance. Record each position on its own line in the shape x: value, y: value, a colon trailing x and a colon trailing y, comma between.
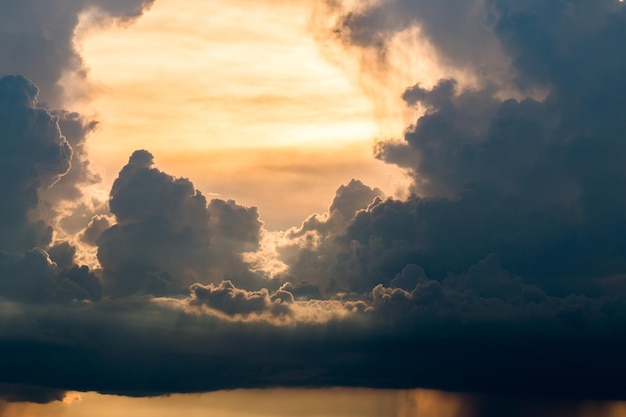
x: 248, y: 105
x: 271, y: 208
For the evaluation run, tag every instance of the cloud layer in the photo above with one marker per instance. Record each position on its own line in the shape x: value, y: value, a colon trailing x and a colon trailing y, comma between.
x: 502, y: 273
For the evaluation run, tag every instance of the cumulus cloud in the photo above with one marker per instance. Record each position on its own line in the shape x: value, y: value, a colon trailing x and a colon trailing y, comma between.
x: 37, y: 41
x: 233, y: 301
x: 503, y: 273
x: 309, y: 250
x: 538, y: 182
x: 34, y: 155
x: 33, y: 277
x: 166, y: 237
x: 75, y: 129
x: 162, y: 233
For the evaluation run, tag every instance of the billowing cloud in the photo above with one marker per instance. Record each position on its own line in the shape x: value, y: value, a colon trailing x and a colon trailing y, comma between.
x: 34, y: 155
x: 536, y: 181
x: 166, y: 237
x: 309, y: 250
x: 503, y: 273
x: 33, y: 277
x: 233, y: 301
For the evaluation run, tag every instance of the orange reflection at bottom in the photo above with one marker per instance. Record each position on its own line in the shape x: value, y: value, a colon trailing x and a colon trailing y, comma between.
x: 335, y: 402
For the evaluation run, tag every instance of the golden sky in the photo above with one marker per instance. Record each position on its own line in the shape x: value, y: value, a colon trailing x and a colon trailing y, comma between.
x: 238, y: 97
x: 330, y: 402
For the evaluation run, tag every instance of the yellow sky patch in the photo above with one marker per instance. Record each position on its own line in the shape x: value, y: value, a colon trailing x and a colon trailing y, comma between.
x: 230, y: 93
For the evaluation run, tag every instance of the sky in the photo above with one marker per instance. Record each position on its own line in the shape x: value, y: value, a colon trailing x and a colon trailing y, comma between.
x: 260, y: 113
x: 325, y: 208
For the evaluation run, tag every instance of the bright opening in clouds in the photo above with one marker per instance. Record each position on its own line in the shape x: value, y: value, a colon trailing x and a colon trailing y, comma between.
x: 245, y: 101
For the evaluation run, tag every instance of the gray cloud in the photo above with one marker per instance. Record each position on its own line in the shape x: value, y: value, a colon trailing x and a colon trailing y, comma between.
x: 26, y: 393
x: 162, y: 231
x: 504, y: 275
x: 37, y: 38
x: 461, y: 33
x: 438, y: 335
x: 315, y: 239
x: 167, y: 238
x: 37, y: 41
x: 33, y: 155
x: 33, y: 277
x: 94, y: 229
x: 233, y: 301
x: 538, y: 182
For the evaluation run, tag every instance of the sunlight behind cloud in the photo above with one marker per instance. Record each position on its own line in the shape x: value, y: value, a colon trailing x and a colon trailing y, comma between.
x: 199, y: 80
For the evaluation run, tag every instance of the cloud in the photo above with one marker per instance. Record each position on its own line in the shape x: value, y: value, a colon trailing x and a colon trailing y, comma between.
x: 166, y: 237
x: 302, y: 248
x: 34, y: 155
x: 94, y: 229
x: 37, y: 38
x: 37, y: 42
x: 33, y: 277
x: 536, y: 181
x: 503, y: 273
x: 26, y: 393
x: 437, y: 335
x: 233, y: 301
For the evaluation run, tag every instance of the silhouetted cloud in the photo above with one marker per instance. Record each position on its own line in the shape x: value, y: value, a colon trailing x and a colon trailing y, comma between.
x: 503, y: 274
x: 34, y: 155
x: 167, y: 238
x: 536, y: 181
x: 26, y: 393
x: 233, y: 301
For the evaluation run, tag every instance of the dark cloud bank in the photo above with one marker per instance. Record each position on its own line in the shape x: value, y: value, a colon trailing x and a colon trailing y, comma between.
x: 505, y: 273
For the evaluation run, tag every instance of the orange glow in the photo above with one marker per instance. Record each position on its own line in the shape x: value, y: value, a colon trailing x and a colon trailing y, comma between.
x: 234, y: 95
x: 331, y: 402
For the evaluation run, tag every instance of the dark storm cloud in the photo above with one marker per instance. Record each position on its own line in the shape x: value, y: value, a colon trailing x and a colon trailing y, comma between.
x: 162, y: 231
x: 167, y: 238
x: 33, y: 277
x: 315, y: 239
x: 36, y: 38
x: 23, y: 393
x: 505, y: 276
x: 438, y: 335
x: 539, y: 183
x: 33, y: 155
x: 234, y: 230
x: 37, y: 41
x: 62, y: 254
